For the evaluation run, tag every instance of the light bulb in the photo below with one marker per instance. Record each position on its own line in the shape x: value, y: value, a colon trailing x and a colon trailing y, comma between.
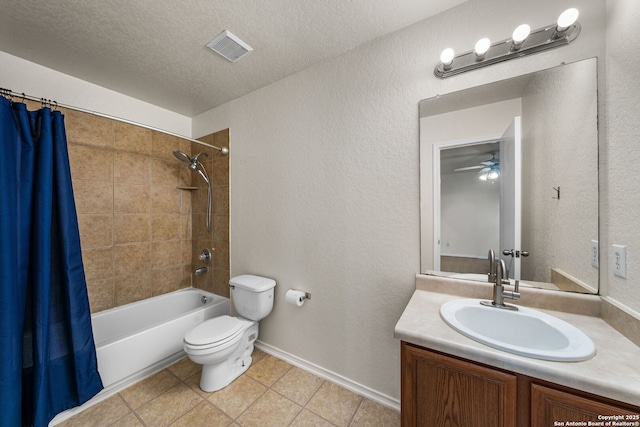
x: 566, y: 19
x: 493, y: 174
x: 483, y: 177
x: 520, y: 34
x: 446, y: 57
x: 482, y: 46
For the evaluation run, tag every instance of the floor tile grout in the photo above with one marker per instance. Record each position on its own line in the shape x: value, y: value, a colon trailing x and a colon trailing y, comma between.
x: 355, y: 412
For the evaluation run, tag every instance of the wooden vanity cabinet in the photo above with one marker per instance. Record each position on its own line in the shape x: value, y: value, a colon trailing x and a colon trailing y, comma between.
x: 551, y: 405
x: 439, y: 390
x: 442, y: 390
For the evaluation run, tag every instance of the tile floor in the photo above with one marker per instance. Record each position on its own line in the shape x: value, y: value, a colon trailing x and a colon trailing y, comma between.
x: 271, y: 393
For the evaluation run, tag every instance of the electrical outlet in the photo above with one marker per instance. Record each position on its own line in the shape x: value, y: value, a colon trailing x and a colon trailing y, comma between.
x: 595, y: 255
x: 620, y: 261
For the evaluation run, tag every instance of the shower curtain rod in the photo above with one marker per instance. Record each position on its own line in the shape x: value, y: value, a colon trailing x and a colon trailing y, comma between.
x: 11, y: 94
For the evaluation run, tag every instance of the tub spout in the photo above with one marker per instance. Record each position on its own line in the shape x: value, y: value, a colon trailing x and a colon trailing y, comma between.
x: 201, y: 270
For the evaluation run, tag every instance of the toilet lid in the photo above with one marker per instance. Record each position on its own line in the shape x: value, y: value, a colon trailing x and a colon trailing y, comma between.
x: 214, y: 330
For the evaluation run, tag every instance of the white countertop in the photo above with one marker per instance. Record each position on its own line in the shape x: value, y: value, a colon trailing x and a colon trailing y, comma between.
x: 614, y: 371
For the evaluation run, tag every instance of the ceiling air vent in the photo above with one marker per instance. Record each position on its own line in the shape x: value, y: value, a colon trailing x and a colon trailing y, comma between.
x: 229, y: 46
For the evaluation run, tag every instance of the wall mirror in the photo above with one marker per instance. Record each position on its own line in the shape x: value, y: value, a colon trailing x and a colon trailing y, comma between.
x: 512, y: 166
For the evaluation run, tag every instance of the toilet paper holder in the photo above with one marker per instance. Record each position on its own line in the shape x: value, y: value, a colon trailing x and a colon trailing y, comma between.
x: 307, y: 295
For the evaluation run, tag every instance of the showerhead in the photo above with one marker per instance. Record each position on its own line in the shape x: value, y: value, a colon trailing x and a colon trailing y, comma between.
x: 193, y: 163
x: 183, y: 157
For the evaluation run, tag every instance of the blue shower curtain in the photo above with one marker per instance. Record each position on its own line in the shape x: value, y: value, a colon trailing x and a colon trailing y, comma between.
x: 47, y: 353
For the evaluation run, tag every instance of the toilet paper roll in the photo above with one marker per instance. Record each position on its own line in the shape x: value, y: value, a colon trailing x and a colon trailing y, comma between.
x: 295, y: 297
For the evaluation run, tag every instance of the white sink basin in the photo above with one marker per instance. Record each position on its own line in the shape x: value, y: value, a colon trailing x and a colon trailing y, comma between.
x: 525, y: 332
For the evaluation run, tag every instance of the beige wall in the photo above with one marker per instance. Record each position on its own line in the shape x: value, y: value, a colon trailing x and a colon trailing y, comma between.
x: 135, y: 222
x: 619, y: 185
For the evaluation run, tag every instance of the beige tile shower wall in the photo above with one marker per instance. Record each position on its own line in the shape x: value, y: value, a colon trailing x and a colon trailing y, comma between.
x: 217, y: 239
x: 135, y: 224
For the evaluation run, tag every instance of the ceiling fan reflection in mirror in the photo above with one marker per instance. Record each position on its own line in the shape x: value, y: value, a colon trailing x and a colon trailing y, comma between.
x: 489, y: 169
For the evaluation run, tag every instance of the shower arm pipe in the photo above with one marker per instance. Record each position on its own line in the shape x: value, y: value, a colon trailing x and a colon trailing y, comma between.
x: 9, y: 93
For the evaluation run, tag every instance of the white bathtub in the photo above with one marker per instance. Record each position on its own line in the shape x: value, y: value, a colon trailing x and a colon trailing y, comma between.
x: 133, y: 338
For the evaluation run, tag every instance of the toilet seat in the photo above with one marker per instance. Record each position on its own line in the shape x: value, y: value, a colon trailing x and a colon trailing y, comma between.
x: 215, y: 332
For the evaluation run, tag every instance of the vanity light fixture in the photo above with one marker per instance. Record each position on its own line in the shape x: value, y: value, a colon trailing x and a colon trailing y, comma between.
x: 519, y: 35
x: 446, y: 58
x: 566, y: 20
x: 522, y: 42
x: 482, y: 46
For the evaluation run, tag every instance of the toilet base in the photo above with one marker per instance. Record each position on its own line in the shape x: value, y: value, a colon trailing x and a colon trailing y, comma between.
x: 219, y: 375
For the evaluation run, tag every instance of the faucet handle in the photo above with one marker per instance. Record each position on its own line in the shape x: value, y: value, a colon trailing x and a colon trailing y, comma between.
x: 205, y: 256
x: 514, y: 295
x: 511, y: 295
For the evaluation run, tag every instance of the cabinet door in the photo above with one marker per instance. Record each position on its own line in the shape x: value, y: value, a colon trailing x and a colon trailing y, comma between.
x: 550, y: 407
x: 438, y: 390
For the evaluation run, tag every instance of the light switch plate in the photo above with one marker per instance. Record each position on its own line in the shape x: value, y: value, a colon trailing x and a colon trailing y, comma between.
x: 620, y: 261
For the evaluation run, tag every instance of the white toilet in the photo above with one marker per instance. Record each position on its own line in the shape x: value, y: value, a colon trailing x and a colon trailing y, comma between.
x: 223, y: 345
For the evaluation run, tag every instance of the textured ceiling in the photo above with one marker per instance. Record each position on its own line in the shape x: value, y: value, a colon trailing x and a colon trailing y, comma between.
x: 154, y: 50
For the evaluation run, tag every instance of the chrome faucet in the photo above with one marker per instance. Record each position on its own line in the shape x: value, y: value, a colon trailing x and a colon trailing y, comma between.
x: 492, y: 267
x: 205, y: 257
x: 499, y: 294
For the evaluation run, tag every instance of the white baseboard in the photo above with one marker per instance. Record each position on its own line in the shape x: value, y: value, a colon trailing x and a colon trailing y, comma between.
x: 325, y: 374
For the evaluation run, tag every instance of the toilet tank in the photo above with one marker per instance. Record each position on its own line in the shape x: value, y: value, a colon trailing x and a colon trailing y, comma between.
x: 252, y: 296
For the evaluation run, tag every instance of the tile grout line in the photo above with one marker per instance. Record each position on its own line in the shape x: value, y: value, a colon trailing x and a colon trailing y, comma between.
x: 309, y: 401
x: 304, y: 406
x: 132, y: 411
x: 235, y: 419
x: 296, y: 416
x: 204, y: 399
x: 268, y: 388
x: 353, y: 417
